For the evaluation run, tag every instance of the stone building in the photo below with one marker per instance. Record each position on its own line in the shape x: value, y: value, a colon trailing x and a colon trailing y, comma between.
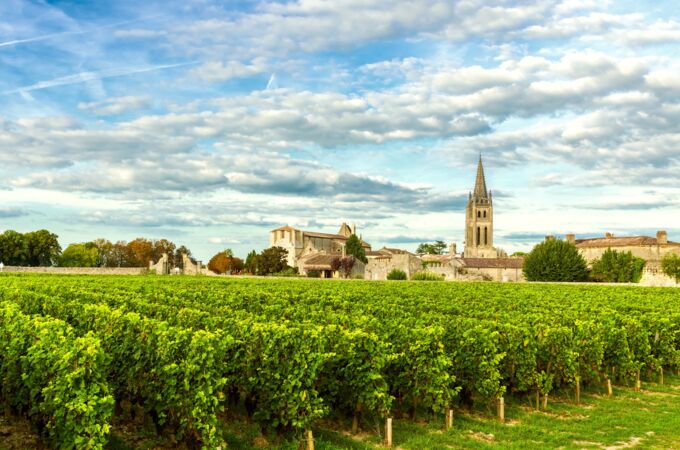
x: 383, y: 261
x: 304, y: 245
x: 651, y: 249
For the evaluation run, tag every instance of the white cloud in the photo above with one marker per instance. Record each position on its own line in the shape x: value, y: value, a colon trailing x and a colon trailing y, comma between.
x: 117, y: 105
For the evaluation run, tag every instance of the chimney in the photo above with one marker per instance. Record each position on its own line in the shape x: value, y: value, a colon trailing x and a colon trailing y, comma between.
x: 452, y: 249
x: 571, y: 238
x: 661, y: 237
x: 608, y: 235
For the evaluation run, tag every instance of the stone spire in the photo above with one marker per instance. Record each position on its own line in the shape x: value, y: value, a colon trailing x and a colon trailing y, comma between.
x: 480, y: 184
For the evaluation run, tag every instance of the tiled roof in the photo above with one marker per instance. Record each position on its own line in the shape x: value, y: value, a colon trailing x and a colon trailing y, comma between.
x: 286, y: 228
x: 325, y: 235
x: 494, y: 263
x: 613, y: 241
x: 320, y: 262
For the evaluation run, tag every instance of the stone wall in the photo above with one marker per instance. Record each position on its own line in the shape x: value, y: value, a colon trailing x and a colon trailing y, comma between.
x: 646, y: 252
x: 378, y: 268
x: 78, y: 270
x: 162, y: 267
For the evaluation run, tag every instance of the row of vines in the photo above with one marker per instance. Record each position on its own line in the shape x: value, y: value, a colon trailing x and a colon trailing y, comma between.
x: 290, y: 352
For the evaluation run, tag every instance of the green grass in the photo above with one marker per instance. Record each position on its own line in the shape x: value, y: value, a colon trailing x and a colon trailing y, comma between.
x: 649, y: 419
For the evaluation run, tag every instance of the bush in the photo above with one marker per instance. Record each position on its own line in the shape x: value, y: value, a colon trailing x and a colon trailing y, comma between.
x: 288, y: 272
x: 618, y: 267
x: 555, y: 260
x: 424, y: 275
x: 313, y: 274
x: 396, y: 274
x: 671, y: 266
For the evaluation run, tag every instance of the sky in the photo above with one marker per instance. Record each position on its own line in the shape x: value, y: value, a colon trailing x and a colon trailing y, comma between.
x: 212, y: 122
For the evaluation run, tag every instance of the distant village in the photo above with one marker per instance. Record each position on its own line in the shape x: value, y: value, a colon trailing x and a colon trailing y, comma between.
x: 312, y: 252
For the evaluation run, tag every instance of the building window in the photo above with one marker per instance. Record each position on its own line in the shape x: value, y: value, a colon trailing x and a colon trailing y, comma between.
x: 485, y: 214
x: 478, y: 235
x: 479, y: 214
x: 486, y: 236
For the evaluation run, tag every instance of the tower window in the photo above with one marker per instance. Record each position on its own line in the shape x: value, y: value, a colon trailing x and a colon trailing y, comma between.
x: 484, y: 214
x: 479, y: 235
x: 486, y: 236
x: 479, y: 214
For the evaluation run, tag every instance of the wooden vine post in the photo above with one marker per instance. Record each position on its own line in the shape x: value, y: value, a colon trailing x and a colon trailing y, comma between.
x: 545, y: 401
x: 661, y: 375
x: 609, y: 387
x: 578, y: 390
x: 638, y: 385
x: 501, y: 409
x: 449, y: 418
x: 388, y: 432
x: 310, y: 440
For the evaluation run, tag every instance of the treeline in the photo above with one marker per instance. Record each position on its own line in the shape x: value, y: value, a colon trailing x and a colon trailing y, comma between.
x: 42, y: 248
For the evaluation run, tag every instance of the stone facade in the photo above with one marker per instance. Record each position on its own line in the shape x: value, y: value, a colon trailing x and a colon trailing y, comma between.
x: 162, y: 267
x: 302, y: 244
x: 383, y: 261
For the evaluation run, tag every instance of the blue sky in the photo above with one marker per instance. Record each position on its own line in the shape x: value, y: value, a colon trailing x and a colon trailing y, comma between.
x: 211, y: 123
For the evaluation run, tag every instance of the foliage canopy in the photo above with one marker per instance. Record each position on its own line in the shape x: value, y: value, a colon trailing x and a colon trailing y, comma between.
x: 555, y: 260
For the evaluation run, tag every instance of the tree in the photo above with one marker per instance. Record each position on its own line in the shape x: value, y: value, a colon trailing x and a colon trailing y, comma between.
x: 12, y: 248
x: 335, y: 264
x: 251, y: 262
x: 224, y: 262
x: 555, y: 260
x: 618, y: 267
x: 347, y: 264
x: 354, y: 248
x: 519, y: 254
x: 42, y: 248
x: 670, y: 264
x: 139, y: 252
x: 80, y: 255
x: 437, y: 248
x: 272, y: 260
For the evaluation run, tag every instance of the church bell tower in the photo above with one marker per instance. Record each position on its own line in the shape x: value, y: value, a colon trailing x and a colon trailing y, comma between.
x: 479, y: 220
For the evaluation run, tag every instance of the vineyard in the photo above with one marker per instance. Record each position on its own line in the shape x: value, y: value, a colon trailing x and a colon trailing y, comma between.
x: 189, y: 353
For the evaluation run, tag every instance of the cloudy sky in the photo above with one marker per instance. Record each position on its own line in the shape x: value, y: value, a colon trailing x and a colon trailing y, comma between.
x: 212, y: 122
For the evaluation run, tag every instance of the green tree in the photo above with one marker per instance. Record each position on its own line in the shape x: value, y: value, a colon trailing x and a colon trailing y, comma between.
x: 251, y: 262
x: 437, y: 248
x: 618, y: 267
x: 80, y: 255
x: 354, y: 248
x: 670, y: 264
x: 555, y: 260
x: 272, y: 260
x: 42, y: 248
x: 12, y: 248
x: 519, y: 254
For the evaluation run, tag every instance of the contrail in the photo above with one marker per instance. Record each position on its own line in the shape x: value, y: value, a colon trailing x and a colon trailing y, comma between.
x: 84, y: 77
x: 66, y: 33
x: 38, y: 38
